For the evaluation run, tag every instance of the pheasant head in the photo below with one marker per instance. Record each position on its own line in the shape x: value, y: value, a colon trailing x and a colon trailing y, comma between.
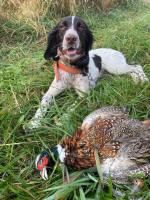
x: 47, y: 159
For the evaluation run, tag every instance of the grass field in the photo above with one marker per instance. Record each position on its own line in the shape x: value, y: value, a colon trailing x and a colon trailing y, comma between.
x: 24, y: 78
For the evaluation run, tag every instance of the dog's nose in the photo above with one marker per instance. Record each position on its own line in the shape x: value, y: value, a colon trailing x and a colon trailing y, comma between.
x: 70, y: 38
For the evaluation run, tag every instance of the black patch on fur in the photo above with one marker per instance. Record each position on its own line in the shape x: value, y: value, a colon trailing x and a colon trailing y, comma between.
x: 56, y: 58
x: 52, y: 44
x: 82, y: 62
x: 97, y: 61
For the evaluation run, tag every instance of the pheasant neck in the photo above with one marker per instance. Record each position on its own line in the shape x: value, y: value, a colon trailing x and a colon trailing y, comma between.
x: 61, y: 153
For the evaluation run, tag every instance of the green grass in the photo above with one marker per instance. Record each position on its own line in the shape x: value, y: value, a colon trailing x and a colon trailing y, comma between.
x: 24, y: 78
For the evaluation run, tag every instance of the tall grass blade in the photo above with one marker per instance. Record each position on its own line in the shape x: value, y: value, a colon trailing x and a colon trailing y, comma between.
x: 98, y: 165
x: 82, y: 195
x: 110, y: 185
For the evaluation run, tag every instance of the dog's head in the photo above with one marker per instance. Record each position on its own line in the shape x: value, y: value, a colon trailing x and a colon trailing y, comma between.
x: 72, y: 37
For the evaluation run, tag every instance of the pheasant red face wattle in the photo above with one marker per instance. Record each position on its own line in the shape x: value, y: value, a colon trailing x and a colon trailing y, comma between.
x: 42, y: 163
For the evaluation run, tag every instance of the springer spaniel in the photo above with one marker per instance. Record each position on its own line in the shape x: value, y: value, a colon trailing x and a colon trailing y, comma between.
x: 69, y: 44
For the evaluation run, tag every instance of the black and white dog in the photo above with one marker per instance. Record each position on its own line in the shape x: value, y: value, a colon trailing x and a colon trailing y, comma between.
x: 69, y: 44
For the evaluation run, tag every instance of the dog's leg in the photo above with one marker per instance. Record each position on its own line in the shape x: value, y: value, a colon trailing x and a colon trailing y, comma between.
x: 138, y: 74
x: 82, y: 86
x: 54, y: 90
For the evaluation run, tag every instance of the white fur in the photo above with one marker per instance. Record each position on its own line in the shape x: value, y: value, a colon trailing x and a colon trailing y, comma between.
x: 71, y: 31
x: 112, y: 61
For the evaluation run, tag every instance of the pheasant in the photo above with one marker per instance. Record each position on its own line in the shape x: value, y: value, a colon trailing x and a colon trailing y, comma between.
x: 123, y: 146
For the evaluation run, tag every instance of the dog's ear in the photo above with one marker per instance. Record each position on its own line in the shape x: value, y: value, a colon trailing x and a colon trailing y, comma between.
x: 52, y: 44
x: 89, y: 41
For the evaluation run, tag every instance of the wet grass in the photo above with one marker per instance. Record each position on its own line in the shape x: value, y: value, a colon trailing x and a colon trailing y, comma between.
x: 25, y: 76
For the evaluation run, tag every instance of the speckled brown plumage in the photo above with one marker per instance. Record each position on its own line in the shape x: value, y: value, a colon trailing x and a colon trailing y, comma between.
x: 123, y: 144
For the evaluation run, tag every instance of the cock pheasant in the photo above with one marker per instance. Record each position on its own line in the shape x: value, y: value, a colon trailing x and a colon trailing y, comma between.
x: 123, y: 145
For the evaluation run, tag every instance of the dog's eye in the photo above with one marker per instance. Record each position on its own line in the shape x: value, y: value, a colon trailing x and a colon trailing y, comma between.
x: 63, y: 26
x: 80, y: 26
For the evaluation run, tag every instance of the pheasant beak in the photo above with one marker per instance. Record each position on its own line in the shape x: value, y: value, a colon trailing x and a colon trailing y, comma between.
x: 41, y: 164
x: 44, y: 174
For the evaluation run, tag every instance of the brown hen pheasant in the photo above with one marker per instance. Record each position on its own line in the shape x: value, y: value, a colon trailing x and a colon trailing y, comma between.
x: 123, y: 145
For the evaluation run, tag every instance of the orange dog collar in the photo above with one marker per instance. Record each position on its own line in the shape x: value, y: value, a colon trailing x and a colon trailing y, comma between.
x: 72, y: 70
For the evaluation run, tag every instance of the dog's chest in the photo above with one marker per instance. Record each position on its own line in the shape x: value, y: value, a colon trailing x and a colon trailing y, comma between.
x: 74, y: 80
x: 66, y: 78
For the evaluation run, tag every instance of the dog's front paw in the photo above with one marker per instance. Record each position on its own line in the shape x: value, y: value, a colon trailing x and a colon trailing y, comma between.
x: 32, y: 125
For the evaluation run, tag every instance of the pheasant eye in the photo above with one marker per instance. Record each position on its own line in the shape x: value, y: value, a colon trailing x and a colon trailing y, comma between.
x: 63, y: 26
x: 80, y: 26
x: 41, y: 161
